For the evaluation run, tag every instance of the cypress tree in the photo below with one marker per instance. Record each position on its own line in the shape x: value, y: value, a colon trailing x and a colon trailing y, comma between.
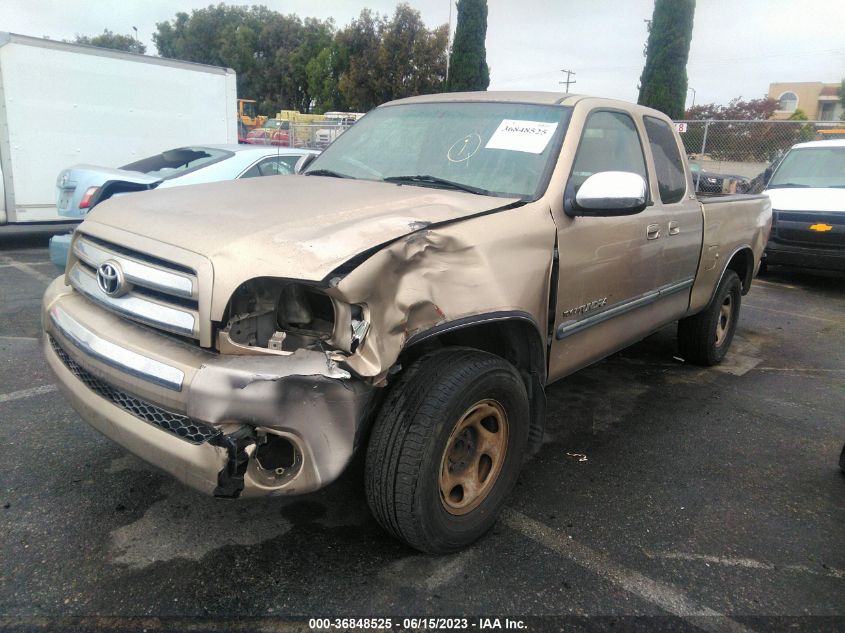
x: 663, y: 84
x: 468, y: 63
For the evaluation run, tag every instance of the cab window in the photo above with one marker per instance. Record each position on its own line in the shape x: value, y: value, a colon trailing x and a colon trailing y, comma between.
x: 609, y: 142
x: 671, y: 180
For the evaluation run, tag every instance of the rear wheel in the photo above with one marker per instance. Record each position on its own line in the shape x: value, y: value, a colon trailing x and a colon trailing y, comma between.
x: 704, y: 338
x: 446, y: 449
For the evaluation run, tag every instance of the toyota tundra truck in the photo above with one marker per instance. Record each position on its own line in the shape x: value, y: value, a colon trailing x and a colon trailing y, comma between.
x: 409, y: 294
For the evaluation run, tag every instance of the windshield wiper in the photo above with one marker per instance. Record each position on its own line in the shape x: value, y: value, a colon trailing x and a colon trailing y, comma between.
x: 787, y: 185
x: 325, y: 172
x: 437, y: 182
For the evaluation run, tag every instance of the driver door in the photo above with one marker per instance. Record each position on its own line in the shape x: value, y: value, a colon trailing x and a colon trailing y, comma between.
x: 607, y: 265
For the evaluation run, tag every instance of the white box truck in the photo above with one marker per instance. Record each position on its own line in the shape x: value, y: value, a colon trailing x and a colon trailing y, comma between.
x: 62, y: 104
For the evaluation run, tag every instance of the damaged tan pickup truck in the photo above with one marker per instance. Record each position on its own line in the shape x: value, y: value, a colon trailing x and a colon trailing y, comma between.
x: 410, y: 294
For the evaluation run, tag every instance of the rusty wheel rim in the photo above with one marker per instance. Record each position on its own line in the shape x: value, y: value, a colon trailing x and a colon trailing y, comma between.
x: 723, y: 323
x: 473, y: 458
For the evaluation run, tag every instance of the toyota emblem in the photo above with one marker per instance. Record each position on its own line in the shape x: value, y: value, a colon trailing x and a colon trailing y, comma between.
x: 110, y: 279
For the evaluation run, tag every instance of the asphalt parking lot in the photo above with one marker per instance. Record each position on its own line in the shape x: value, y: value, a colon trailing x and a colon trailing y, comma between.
x: 662, y: 490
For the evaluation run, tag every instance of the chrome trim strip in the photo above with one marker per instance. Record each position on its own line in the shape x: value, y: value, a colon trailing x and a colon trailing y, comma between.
x: 133, y: 307
x: 568, y: 329
x: 675, y: 287
x: 136, y: 272
x: 113, y: 355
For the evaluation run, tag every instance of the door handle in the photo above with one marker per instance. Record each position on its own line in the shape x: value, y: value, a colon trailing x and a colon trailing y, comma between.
x: 652, y: 231
x: 674, y: 229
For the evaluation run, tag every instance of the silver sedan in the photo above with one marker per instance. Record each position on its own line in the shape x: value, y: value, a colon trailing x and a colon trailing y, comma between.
x: 81, y: 187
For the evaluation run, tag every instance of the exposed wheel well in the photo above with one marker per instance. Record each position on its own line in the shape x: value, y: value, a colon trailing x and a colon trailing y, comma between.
x: 515, y: 338
x: 742, y: 263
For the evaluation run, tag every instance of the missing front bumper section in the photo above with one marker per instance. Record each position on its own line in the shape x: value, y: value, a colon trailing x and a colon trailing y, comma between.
x: 230, y: 480
x: 177, y: 424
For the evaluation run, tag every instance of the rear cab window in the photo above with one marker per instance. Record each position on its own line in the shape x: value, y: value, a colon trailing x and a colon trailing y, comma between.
x: 668, y: 164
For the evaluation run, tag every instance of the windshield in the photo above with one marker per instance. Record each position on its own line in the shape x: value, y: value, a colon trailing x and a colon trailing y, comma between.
x: 276, y: 124
x: 811, y: 167
x: 175, y: 162
x: 501, y: 149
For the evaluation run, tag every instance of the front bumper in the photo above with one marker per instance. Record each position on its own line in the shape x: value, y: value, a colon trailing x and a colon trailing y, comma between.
x: 815, y: 257
x: 199, y: 415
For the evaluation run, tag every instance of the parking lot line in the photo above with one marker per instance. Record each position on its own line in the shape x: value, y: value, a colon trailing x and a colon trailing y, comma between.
x: 26, y: 393
x: 658, y: 593
x: 749, y: 563
x: 805, y: 370
x: 26, y: 268
x: 773, y: 285
x: 792, y: 314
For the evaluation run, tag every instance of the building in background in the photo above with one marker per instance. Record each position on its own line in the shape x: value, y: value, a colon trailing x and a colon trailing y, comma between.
x: 819, y: 101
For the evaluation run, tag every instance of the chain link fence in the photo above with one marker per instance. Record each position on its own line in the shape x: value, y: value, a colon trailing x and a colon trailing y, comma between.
x: 739, y: 156
x: 301, y: 135
x: 725, y: 156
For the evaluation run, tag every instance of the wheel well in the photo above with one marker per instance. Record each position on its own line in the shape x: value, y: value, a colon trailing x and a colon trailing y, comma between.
x: 742, y: 263
x: 516, y: 339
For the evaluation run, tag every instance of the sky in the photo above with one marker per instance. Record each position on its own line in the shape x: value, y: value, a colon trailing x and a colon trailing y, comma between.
x: 738, y: 47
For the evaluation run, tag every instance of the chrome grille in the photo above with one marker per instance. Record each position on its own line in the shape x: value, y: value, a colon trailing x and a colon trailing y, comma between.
x: 155, y: 292
x: 179, y: 425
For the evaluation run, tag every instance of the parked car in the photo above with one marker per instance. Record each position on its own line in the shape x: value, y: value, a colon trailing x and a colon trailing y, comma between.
x: 712, y: 182
x: 409, y: 296
x: 81, y: 187
x: 807, y: 190
x: 273, y: 132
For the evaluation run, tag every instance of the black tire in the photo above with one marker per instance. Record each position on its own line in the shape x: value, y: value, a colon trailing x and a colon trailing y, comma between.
x: 407, y: 450
x: 704, y: 338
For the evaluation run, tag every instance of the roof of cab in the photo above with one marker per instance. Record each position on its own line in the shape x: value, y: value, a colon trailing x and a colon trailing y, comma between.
x: 527, y: 97
x: 536, y: 97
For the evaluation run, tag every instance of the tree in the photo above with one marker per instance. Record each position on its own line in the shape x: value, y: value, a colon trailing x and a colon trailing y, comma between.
x: 737, y: 109
x: 805, y: 132
x: 842, y: 99
x: 468, y: 68
x: 286, y: 63
x: 663, y: 84
x: 323, y: 73
x: 380, y: 59
x: 359, y: 45
x: 412, y: 59
x: 115, y: 41
x: 268, y: 50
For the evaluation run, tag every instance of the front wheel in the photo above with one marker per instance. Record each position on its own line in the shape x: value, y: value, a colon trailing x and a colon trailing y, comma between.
x: 446, y: 449
x: 704, y: 338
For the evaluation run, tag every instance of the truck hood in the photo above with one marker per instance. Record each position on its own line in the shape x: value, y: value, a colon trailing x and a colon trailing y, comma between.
x: 807, y: 199
x: 300, y: 227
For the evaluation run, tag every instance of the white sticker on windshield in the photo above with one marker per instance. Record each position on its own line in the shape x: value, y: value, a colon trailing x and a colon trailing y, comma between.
x: 522, y: 136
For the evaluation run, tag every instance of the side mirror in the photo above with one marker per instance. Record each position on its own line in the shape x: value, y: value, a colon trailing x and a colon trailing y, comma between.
x: 609, y: 193
x: 303, y: 162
